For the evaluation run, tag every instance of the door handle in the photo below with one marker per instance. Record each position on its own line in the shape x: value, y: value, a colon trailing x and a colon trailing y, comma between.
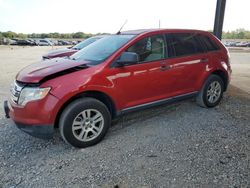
x: 165, y: 67
x: 204, y: 60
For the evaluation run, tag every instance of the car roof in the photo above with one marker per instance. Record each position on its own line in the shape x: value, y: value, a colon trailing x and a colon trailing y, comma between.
x: 144, y: 31
x: 137, y: 32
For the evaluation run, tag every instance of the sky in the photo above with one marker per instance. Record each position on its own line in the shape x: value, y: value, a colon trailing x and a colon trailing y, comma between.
x: 100, y: 16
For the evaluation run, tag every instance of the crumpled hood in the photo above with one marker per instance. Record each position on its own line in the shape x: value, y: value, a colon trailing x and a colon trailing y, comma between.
x: 37, y: 72
x: 60, y: 52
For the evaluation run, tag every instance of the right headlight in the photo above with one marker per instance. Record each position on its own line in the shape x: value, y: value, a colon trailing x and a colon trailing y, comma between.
x: 31, y: 94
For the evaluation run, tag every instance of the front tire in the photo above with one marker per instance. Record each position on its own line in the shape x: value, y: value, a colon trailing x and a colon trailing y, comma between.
x: 211, y: 93
x: 84, y: 122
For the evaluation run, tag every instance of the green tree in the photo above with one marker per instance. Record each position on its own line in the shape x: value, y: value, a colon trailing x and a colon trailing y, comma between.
x: 44, y: 35
x: 21, y: 35
x: 9, y: 34
x: 236, y: 34
x: 78, y: 35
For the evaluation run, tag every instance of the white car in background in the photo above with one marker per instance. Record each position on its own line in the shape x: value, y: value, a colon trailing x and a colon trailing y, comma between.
x: 44, y: 42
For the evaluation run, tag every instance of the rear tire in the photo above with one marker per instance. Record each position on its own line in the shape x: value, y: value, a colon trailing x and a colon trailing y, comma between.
x: 211, y: 93
x: 84, y: 122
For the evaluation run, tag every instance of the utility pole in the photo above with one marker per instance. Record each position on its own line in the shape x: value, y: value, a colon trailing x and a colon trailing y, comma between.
x: 219, y: 18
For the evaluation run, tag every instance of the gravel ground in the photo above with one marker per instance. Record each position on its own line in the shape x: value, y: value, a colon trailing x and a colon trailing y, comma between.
x: 178, y: 145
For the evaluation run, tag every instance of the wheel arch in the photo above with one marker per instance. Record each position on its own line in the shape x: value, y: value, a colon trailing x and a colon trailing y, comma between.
x: 223, y: 76
x: 101, y: 96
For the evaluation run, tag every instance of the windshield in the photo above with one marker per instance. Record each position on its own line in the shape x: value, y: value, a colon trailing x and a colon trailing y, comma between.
x: 102, y: 49
x: 85, y: 43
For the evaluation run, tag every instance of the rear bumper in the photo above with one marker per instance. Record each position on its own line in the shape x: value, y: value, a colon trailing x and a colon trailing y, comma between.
x: 44, y: 131
x: 229, y: 73
x: 6, y: 109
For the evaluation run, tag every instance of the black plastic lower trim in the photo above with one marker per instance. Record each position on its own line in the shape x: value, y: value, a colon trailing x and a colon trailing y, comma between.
x: 39, y: 131
x: 159, y: 102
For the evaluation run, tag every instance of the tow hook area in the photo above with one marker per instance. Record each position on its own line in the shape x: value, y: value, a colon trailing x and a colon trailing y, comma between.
x: 6, y: 109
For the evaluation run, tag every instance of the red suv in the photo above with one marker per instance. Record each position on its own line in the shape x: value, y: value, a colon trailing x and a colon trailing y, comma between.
x: 117, y: 74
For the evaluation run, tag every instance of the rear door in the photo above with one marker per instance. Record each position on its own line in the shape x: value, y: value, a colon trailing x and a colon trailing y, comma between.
x: 187, y: 59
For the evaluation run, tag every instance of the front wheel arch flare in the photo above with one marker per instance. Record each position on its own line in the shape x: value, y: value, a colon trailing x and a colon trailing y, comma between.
x: 104, y: 98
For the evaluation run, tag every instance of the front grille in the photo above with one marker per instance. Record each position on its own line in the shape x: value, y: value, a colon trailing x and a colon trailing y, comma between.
x: 15, y: 91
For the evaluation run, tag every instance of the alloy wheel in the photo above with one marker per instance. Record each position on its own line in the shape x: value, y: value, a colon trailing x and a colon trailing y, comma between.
x: 88, y: 125
x: 214, y: 92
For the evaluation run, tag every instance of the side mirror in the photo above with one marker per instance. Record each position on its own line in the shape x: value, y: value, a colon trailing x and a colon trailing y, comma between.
x: 127, y: 58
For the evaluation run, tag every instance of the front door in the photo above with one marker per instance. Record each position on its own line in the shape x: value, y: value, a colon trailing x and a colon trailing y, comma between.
x: 147, y: 80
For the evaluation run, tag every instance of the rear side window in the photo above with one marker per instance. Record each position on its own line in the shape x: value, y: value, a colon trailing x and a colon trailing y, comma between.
x: 208, y: 43
x: 182, y: 44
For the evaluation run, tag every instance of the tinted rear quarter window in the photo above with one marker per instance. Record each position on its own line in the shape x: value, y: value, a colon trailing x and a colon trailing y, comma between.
x: 209, y: 44
x: 182, y: 44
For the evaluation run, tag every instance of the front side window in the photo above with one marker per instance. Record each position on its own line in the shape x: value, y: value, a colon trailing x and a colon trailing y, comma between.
x: 149, y: 48
x: 103, y: 48
x: 181, y: 44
